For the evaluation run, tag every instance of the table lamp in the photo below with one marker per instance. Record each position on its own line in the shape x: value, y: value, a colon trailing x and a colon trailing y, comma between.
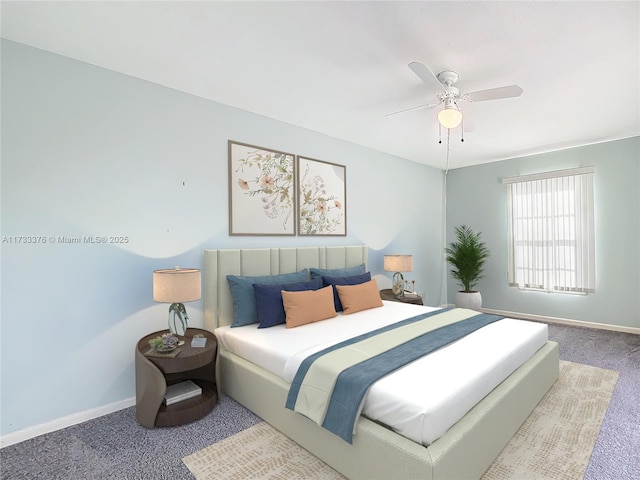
x: 176, y: 286
x: 398, y: 264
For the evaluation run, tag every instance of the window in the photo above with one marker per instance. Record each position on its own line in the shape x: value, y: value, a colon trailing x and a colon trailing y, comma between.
x: 551, y: 231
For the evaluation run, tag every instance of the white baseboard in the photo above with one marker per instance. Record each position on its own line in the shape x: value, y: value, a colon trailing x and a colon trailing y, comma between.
x: 564, y: 321
x: 64, y: 422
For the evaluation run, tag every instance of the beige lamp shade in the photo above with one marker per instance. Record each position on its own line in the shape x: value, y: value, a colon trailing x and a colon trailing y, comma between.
x: 398, y: 263
x: 176, y: 285
x: 450, y: 117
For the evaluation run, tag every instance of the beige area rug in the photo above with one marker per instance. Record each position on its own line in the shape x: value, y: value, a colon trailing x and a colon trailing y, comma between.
x: 555, y: 442
x: 557, y: 439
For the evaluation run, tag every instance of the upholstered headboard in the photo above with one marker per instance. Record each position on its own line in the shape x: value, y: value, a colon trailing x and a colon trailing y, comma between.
x: 218, y: 305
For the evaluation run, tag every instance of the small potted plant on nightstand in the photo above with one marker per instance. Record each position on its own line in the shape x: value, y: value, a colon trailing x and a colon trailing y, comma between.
x: 467, y: 255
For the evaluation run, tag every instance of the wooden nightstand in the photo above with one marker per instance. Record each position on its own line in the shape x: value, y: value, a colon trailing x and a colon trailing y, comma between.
x: 387, y: 294
x: 153, y: 374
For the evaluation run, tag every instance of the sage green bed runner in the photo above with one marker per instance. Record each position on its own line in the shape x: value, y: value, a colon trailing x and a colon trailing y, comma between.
x: 330, y: 385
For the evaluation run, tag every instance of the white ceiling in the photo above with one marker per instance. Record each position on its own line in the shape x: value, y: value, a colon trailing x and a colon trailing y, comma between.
x: 340, y: 67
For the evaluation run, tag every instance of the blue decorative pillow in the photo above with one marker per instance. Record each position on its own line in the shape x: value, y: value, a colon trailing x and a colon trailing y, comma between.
x: 338, y: 272
x: 269, y: 304
x: 244, y: 300
x: 352, y: 280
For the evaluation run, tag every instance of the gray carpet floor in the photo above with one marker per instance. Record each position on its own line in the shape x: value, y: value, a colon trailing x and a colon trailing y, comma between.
x: 116, y: 447
x: 616, y: 455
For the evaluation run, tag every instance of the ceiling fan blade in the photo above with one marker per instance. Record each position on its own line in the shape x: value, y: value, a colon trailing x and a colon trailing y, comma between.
x: 426, y: 105
x: 493, y: 94
x: 427, y: 76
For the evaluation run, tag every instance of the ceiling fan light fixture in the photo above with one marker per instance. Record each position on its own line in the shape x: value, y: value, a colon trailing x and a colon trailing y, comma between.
x: 450, y: 117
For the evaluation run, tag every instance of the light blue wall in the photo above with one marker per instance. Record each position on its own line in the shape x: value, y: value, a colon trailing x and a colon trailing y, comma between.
x: 86, y: 151
x: 476, y: 197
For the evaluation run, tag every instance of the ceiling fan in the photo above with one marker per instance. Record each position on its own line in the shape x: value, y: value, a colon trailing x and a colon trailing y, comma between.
x: 448, y: 94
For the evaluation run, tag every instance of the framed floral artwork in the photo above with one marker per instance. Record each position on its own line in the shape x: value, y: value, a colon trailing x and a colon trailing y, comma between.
x: 261, y: 191
x: 322, y: 198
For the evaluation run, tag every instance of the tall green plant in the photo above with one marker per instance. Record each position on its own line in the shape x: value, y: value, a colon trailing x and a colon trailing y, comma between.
x: 467, y: 256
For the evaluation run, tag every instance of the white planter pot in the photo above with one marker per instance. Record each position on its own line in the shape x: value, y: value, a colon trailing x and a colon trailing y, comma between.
x: 471, y: 300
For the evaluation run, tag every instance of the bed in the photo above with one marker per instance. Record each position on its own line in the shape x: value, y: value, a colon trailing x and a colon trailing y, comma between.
x: 464, y: 450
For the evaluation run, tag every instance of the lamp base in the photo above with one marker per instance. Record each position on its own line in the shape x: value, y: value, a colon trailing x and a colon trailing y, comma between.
x: 178, y: 321
x: 398, y: 285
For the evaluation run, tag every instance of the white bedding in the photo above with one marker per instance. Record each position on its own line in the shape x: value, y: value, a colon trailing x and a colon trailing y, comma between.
x: 450, y: 381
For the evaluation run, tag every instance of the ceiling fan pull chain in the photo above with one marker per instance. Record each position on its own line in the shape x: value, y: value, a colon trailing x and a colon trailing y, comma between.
x: 439, y: 133
x: 462, y: 129
x: 448, y: 149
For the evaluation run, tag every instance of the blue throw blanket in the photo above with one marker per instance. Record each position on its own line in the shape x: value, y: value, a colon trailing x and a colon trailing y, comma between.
x: 353, y: 382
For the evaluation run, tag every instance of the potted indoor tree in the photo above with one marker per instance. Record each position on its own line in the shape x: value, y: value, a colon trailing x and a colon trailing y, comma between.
x: 467, y: 255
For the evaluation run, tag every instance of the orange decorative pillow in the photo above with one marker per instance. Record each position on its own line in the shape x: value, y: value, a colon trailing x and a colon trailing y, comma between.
x: 308, y: 306
x: 355, y: 298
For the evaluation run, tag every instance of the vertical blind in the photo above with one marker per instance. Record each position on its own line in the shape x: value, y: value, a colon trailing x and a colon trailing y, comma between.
x: 551, y: 231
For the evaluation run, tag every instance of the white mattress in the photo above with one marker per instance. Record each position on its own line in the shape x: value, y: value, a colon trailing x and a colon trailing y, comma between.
x: 420, y: 401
